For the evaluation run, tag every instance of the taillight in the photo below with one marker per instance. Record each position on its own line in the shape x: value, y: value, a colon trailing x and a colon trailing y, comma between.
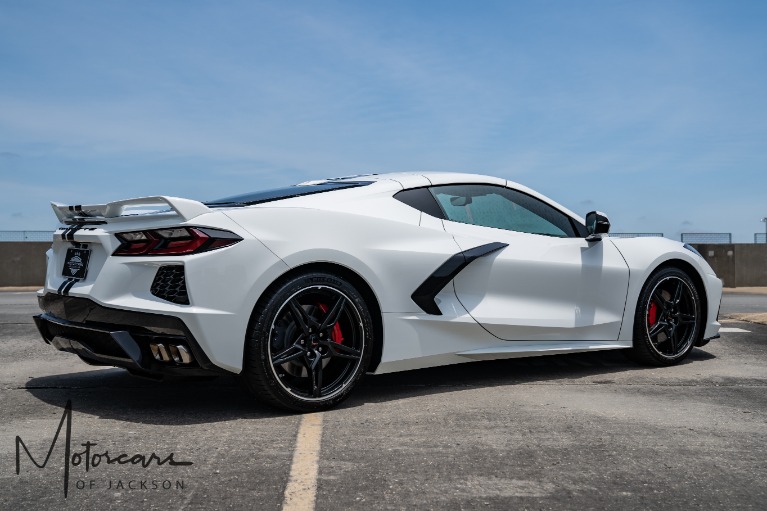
x: 173, y: 241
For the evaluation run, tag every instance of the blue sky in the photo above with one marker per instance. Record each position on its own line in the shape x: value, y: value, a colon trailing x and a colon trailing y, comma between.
x: 654, y: 112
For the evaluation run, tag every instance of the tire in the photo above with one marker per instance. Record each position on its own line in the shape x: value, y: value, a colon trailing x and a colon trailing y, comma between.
x: 668, y: 319
x: 309, y: 342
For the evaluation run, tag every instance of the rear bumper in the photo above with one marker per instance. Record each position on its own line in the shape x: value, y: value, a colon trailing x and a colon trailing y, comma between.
x: 150, y: 344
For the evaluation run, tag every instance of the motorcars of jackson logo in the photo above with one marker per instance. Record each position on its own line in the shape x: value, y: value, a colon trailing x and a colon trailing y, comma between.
x: 90, y: 457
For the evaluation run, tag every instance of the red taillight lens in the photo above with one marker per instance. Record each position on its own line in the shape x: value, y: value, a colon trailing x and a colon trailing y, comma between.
x: 174, y: 241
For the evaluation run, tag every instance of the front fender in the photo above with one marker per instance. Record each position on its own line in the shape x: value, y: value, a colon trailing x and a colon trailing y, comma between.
x: 644, y: 256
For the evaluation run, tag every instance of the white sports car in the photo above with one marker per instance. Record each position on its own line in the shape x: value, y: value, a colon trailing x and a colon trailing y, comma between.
x: 301, y: 290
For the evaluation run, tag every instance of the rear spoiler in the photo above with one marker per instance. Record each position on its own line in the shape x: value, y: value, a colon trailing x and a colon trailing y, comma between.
x: 103, y: 213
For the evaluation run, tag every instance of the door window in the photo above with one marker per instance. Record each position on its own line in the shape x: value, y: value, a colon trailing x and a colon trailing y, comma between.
x: 501, y: 208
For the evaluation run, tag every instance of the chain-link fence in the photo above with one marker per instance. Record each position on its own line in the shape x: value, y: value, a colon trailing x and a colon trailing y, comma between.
x: 636, y: 235
x: 706, y: 237
x: 760, y: 237
x: 26, y: 235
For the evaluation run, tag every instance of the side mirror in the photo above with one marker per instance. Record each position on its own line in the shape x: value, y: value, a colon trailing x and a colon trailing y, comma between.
x: 597, y: 224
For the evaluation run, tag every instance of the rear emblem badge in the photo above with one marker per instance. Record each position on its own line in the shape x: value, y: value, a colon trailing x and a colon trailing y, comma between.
x: 74, y: 265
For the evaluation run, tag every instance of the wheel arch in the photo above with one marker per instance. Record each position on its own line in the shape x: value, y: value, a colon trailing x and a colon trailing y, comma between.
x: 371, y: 300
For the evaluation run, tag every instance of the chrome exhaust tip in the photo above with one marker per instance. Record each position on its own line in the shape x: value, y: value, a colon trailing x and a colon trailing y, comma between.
x: 177, y: 353
x: 174, y: 353
x: 186, y: 357
x: 155, y: 351
x: 163, y: 353
x: 159, y: 352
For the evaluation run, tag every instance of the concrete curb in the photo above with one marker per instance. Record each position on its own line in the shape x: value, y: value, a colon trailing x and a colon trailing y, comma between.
x: 746, y: 290
x: 750, y: 317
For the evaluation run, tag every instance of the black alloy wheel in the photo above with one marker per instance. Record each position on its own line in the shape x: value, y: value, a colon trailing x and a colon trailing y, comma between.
x: 668, y: 319
x: 309, y: 343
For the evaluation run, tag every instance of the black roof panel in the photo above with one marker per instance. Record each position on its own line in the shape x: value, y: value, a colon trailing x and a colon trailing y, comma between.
x: 259, y: 197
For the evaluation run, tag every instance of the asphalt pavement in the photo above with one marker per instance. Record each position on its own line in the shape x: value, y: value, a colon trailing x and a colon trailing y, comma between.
x: 584, y: 431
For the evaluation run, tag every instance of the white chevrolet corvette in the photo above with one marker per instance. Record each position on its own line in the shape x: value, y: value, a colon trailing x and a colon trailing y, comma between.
x: 303, y: 289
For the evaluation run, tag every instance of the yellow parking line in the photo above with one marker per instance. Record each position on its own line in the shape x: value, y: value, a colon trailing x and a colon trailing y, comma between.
x: 301, y: 491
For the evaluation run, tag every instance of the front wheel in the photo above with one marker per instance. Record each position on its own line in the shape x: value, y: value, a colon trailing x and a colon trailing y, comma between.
x: 668, y: 318
x: 309, y: 343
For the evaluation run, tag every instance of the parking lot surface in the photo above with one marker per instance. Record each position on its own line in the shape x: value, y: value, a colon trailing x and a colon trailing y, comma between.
x: 585, y: 431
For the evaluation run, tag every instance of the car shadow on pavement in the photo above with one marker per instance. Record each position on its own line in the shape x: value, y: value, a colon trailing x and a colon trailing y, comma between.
x: 594, y: 367
x: 114, y: 394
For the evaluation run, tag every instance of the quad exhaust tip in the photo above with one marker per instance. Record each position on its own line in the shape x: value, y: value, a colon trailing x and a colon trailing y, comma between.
x: 177, y: 353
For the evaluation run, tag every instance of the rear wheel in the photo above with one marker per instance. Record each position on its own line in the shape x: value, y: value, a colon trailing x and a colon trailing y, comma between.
x: 668, y: 318
x: 309, y: 343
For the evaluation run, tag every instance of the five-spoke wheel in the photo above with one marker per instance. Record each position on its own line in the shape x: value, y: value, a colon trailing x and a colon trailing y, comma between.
x: 667, y: 321
x: 310, y: 343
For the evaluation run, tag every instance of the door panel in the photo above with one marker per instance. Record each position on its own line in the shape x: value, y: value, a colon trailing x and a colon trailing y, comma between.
x: 543, y: 287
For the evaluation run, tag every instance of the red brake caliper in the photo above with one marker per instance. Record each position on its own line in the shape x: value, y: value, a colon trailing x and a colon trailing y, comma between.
x: 652, y: 314
x: 336, y: 334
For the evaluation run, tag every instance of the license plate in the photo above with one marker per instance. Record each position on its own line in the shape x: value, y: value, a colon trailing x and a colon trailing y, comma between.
x: 76, y: 263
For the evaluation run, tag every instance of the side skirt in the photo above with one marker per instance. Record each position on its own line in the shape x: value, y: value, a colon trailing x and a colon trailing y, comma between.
x: 516, y: 349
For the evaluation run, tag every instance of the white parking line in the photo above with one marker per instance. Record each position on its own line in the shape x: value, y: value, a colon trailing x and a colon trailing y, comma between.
x: 733, y: 330
x: 301, y: 490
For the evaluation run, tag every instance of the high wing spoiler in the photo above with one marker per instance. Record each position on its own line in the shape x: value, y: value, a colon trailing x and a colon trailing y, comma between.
x: 160, y: 205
